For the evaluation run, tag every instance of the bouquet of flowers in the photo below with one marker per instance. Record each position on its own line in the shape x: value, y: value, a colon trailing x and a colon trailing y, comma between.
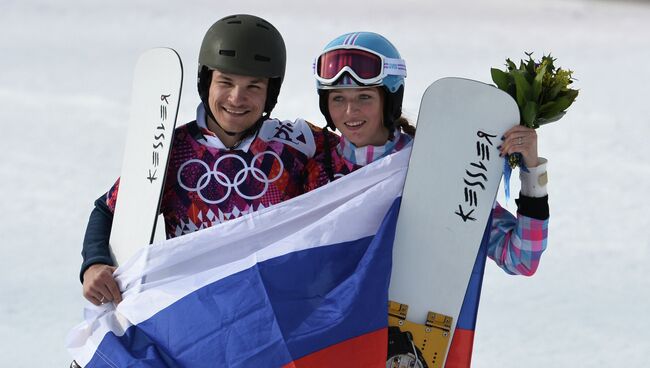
x: 540, y: 89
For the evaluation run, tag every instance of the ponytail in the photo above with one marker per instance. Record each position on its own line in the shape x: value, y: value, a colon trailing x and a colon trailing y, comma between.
x: 403, y: 124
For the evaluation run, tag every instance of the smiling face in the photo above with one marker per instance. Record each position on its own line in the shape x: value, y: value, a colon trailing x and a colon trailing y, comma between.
x: 358, y: 114
x: 237, y: 102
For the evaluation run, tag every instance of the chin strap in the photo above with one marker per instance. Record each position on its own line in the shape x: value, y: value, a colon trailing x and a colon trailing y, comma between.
x: 209, y: 111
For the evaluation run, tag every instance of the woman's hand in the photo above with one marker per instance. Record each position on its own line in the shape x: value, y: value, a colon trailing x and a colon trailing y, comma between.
x: 522, y: 140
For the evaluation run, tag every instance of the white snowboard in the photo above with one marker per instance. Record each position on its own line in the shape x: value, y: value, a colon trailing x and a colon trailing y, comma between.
x: 451, y: 185
x: 154, y: 107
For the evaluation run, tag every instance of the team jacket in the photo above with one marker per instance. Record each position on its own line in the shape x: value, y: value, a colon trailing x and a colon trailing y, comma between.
x: 515, y: 244
x: 206, y: 183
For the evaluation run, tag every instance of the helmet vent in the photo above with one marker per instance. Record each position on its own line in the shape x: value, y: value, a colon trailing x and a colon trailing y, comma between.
x: 234, y: 22
x: 263, y: 26
x: 227, y: 52
x: 262, y: 58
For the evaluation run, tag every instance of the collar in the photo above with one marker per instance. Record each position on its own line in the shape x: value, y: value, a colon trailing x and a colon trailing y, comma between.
x: 364, y: 155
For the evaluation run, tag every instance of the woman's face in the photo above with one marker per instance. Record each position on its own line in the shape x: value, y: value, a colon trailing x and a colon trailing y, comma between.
x: 358, y: 114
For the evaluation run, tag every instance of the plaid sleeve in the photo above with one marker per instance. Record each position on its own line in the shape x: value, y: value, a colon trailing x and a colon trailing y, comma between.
x: 516, y: 244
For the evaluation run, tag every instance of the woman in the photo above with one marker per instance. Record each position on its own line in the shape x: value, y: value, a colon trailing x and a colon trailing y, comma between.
x: 360, y: 81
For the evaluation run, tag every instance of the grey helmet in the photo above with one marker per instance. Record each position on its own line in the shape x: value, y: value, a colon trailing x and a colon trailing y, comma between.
x: 246, y: 45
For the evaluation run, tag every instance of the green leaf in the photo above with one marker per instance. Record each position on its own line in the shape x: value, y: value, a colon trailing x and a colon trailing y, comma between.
x: 542, y: 121
x: 523, y: 88
x: 570, y: 94
x: 500, y: 78
x: 537, y: 84
x: 550, y: 61
x: 530, y: 69
x: 529, y: 114
x: 551, y: 109
x: 554, y: 92
x: 530, y: 66
x: 545, y: 108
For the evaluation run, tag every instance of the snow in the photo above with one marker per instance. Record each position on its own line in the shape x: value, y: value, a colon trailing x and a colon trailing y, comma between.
x: 64, y: 101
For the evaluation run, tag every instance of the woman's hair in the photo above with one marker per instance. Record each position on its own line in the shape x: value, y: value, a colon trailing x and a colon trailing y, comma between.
x: 405, y: 126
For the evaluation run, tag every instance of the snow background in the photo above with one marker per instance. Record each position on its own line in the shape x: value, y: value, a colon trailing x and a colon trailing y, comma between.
x: 64, y: 102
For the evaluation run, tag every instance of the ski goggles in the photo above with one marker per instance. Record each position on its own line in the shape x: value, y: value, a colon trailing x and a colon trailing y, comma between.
x: 365, y: 66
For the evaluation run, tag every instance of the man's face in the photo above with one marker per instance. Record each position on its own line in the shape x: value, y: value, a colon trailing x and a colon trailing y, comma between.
x: 236, y: 101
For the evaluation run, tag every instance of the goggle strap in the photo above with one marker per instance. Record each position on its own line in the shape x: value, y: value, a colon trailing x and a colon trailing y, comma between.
x: 394, y: 67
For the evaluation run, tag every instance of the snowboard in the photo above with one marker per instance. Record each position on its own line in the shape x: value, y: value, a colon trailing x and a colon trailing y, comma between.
x: 154, y: 107
x: 451, y: 185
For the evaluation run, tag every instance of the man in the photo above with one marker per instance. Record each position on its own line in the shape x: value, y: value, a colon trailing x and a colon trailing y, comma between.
x: 232, y: 160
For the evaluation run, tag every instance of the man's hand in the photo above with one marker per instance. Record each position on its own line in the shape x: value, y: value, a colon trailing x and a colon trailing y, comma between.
x: 99, y: 286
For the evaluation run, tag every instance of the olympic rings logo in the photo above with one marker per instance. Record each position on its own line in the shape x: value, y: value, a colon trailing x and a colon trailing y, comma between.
x: 225, y: 181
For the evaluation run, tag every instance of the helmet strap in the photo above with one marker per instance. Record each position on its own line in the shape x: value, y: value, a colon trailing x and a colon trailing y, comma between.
x: 327, y: 148
x: 272, y: 93
x: 211, y: 116
x: 323, y: 94
x: 392, y: 109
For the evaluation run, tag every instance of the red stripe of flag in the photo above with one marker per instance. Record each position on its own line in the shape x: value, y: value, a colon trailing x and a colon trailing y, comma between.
x: 460, y: 352
x: 369, y: 350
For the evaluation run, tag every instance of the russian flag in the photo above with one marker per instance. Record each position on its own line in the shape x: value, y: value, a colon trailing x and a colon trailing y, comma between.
x: 300, y: 284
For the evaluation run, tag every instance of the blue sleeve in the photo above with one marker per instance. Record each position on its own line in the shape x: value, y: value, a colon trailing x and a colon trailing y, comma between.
x: 98, y: 232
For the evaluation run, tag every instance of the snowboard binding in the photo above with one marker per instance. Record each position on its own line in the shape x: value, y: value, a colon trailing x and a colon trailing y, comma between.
x: 414, y: 345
